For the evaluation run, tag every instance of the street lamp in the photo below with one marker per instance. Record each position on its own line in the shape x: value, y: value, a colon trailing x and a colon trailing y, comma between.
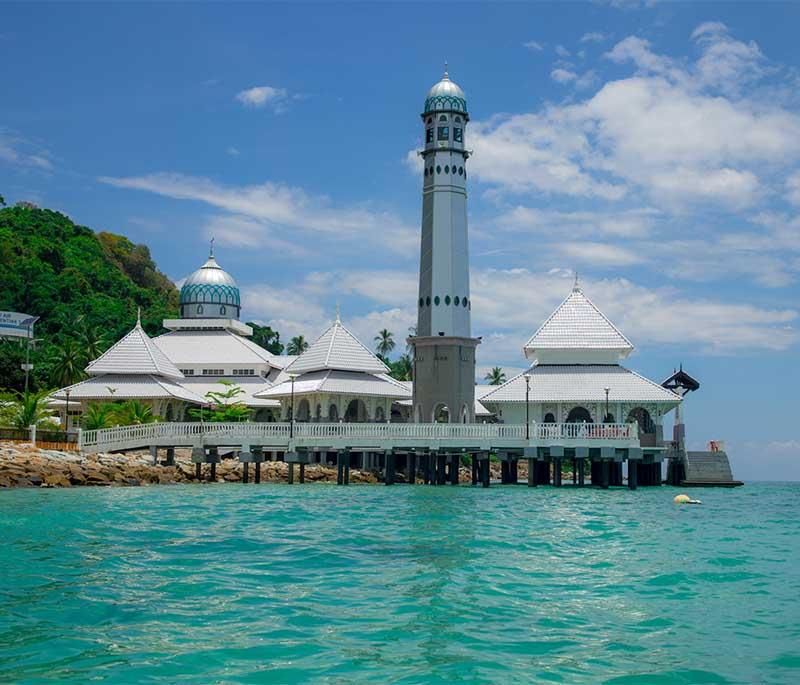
x: 292, y: 376
x: 608, y: 390
x: 527, y: 406
x: 66, y: 415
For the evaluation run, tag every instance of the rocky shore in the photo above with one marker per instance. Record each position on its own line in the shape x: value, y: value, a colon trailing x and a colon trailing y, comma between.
x: 26, y: 466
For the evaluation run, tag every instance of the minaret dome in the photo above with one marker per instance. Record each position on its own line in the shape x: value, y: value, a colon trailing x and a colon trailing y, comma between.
x: 210, y: 293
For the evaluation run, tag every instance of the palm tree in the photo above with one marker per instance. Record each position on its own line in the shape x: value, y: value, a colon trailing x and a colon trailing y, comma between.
x: 385, y: 341
x: 134, y: 413
x: 93, y: 342
x: 29, y: 409
x: 99, y: 415
x: 297, y: 345
x: 496, y: 376
x: 68, y: 361
x: 402, y: 369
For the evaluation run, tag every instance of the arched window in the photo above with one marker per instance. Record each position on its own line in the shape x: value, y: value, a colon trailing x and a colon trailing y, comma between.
x: 318, y: 412
x: 380, y: 415
x: 356, y: 412
x: 549, y: 418
x: 608, y: 418
x: 222, y: 309
x: 303, y: 411
x: 441, y: 414
x: 443, y: 133
x: 447, y: 299
x: 428, y: 301
x: 436, y: 300
x: 199, y: 308
x: 333, y: 413
x: 579, y: 415
x: 429, y: 135
x: 438, y: 169
x: 641, y: 416
x: 458, y: 134
x: 457, y: 301
x: 446, y: 169
x: 458, y: 119
x: 442, y: 118
x: 464, y: 302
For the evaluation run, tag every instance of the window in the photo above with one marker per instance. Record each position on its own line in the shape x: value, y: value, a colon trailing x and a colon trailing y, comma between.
x: 426, y: 171
x: 213, y: 372
x: 436, y: 300
x: 447, y: 169
x: 430, y: 120
x: 458, y: 135
x: 443, y: 133
x: 464, y: 302
x: 187, y: 372
x: 438, y: 169
x: 457, y: 301
x: 222, y: 309
x: 447, y: 299
x: 428, y: 300
x: 421, y: 301
x: 244, y: 372
x: 442, y: 118
x: 458, y: 120
x: 199, y: 308
x: 429, y: 135
x: 461, y: 171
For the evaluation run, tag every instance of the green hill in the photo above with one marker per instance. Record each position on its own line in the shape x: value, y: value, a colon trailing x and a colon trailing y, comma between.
x: 85, y: 286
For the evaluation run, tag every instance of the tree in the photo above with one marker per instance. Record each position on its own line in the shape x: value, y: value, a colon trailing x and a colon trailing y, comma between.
x: 225, y: 408
x: 134, y: 413
x: 385, y: 343
x: 402, y: 369
x: 267, y: 338
x: 22, y: 410
x: 67, y: 363
x: 496, y: 376
x: 2, y: 201
x: 297, y: 345
x: 99, y: 415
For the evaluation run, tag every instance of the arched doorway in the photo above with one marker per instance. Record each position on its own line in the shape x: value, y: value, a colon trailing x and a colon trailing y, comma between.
x: 549, y: 417
x: 169, y: 414
x: 579, y: 415
x: 380, y: 415
x: 441, y: 414
x: 303, y: 411
x: 641, y: 416
x: 356, y: 412
x: 333, y: 413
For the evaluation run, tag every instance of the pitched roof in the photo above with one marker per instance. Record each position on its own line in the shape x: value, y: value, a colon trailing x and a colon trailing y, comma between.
x: 127, y: 387
x: 200, y: 385
x: 581, y: 382
x: 337, y: 348
x: 578, y: 324
x: 340, y: 383
x: 214, y: 347
x: 134, y: 354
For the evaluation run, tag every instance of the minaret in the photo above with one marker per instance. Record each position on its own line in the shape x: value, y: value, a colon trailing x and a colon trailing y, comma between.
x: 444, y: 351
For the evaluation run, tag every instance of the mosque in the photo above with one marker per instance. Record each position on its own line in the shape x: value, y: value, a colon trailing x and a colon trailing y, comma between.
x: 574, y: 374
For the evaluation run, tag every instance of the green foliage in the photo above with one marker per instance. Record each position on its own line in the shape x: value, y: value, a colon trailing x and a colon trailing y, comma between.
x: 20, y: 410
x: 86, y: 288
x: 267, y: 338
x: 99, y: 415
x: 297, y: 345
x: 225, y: 408
x: 134, y: 413
x: 402, y: 369
x: 2, y: 201
x: 496, y: 376
x: 385, y: 343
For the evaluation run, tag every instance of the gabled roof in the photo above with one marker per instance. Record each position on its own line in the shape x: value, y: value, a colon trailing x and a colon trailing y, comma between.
x: 200, y: 385
x: 578, y: 324
x: 337, y: 382
x: 337, y: 348
x: 134, y: 354
x: 214, y: 347
x: 127, y: 387
x: 581, y: 383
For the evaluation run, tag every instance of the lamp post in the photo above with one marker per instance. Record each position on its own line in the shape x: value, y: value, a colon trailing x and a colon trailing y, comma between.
x: 66, y: 415
x: 29, y: 325
x: 527, y: 406
x: 292, y: 376
x: 608, y: 390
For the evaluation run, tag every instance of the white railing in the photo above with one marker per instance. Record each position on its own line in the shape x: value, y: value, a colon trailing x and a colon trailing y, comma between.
x: 129, y: 437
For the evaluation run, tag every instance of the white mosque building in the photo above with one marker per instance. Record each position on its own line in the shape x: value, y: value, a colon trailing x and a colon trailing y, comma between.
x: 575, y: 374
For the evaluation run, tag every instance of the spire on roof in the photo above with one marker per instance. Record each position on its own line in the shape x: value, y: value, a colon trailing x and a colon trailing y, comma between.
x: 139, y: 316
x: 446, y: 75
x: 211, y: 251
x: 338, y: 318
x: 576, y: 288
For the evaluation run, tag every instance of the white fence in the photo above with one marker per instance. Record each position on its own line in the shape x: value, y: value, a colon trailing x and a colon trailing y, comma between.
x: 279, y: 435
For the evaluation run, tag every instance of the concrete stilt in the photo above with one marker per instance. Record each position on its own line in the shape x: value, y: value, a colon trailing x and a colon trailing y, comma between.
x: 487, y: 473
x: 291, y: 473
x: 606, y: 473
x: 633, y: 468
x: 154, y: 454
x: 347, y: 468
x: 455, y: 464
x: 574, y: 471
x: 258, y: 472
x: 531, y: 473
x: 170, y: 460
x: 504, y: 472
x: 246, y: 472
x: 339, y: 468
x: 474, y: 460
x: 441, y: 469
x: 213, y: 478
x: 388, y: 477
x: 198, y: 471
x: 581, y: 474
x: 302, y: 473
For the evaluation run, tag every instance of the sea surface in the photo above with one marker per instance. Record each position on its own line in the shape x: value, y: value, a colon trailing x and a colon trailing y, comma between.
x: 326, y: 584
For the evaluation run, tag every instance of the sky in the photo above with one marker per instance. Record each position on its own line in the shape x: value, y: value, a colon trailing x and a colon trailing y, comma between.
x: 651, y: 147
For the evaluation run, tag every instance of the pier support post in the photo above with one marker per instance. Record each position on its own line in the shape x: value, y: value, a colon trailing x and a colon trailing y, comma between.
x: 474, y: 463
x: 513, y: 471
x: 388, y: 476
x: 455, y: 467
x: 531, y: 472
x: 302, y: 473
x: 170, y: 460
x: 581, y: 474
x: 246, y: 472
x: 504, y: 472
x: 633, y: 468
x: 411, y: 460
x: 340, y: 468
x: 574, y: 470
x: 198, y: 471
x: 441, y: 469
x: 291, y: 473
x: 606, y: 472
x: 153, y: 454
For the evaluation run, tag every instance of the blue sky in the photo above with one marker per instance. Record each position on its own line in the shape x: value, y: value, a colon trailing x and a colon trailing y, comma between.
x: 653, y: 147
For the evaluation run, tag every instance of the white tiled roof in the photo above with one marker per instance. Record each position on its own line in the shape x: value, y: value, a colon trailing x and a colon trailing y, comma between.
x: 581, y: 382
x: 134, y: 354
x: 190, y: 348
x: 578, y: 324
x: 340, y: 383
x: 337, y: 348
x: 126, y: 387
x: 480, y: 391
x: 250, y: 384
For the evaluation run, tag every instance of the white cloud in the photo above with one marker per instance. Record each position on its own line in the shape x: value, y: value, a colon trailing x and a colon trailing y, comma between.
x: 594, y: 37
x: 23, y: 153
x: 599, y: 254
x: 534, y: 45
x: 561, y: 51
x: 793, y: 188
x: 283, y: 209
x: 233, y: 151
x: 261, y: 96
x: 563, y: 75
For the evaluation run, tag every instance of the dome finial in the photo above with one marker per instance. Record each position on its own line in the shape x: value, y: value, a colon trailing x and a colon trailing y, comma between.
x: 446, y: 76
x: 139, y: 317
x: 338, y: 317
x: 211, y: 251
x: 577, y: 287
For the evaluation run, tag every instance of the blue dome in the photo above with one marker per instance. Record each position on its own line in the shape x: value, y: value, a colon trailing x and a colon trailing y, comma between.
x: 210, y: 293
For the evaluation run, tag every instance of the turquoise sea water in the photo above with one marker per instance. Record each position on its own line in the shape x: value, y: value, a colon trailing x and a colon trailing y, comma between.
x: 324, y: 584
